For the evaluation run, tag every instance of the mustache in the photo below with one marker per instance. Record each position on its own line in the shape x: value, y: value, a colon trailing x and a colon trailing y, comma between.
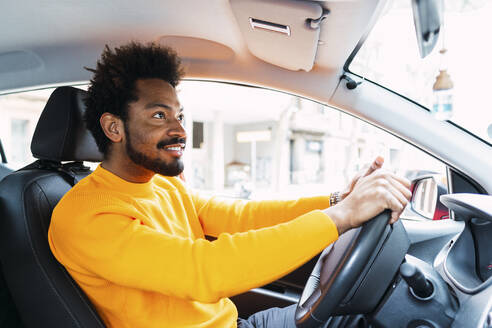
x: 163, y: 143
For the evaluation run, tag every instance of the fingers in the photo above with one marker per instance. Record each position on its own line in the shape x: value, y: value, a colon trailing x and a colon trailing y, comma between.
x: 394, y: 218
x: 401, y: 188
x: 402, y: 180
x: 397, y: 193
x: 394, y: 204
x: 379, y: 190
x: 380, y: 173
x: 377, y: 164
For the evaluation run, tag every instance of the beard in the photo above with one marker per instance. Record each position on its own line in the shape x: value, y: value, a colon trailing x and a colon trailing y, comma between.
x: 156, y: 165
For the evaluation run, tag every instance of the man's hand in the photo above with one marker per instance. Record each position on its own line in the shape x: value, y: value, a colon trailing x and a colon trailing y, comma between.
x: 376, y: 164
x: 371, y: 194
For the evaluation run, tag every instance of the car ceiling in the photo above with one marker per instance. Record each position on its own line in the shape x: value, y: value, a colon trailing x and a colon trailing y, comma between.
x: 49, y: 42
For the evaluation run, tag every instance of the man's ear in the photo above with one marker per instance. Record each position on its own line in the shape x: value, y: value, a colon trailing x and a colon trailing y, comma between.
x: 112, y: 126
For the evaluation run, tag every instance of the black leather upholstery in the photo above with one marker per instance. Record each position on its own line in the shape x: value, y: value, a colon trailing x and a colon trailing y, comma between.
x: 9, y: 317
x: 44, y: 293
x: 4, y: 171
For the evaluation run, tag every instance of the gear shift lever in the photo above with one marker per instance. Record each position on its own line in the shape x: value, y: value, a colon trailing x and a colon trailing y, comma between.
x: 416, y: 280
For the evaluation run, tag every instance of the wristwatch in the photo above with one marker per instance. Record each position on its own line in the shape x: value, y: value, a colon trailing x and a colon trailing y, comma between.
x: 335, y: 198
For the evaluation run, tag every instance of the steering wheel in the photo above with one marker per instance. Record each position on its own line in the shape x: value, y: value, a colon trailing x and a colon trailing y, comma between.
x: 338, y: 269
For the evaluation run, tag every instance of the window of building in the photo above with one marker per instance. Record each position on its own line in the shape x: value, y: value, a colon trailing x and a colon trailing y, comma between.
x: 197, y: 135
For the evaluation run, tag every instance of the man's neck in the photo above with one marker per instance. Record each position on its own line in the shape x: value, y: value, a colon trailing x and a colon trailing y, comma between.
x: 127, y: 170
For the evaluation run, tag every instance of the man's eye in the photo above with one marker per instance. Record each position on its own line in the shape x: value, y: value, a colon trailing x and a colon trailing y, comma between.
x: 181, y: 118
x: 159, y: 115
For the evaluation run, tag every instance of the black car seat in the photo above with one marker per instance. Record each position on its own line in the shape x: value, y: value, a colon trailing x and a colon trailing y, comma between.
x: 9, y: 318
x: 43, y: 292
x: 4, y: 171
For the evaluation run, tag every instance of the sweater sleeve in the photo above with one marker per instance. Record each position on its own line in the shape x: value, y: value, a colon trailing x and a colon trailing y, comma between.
x: 123, y: 251
x: 219, y: 215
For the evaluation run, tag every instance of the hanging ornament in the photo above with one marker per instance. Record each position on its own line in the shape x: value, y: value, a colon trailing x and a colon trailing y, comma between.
x: 442, y: 108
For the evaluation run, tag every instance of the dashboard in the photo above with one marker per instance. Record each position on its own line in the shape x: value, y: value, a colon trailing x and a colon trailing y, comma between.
x: 453, y: 256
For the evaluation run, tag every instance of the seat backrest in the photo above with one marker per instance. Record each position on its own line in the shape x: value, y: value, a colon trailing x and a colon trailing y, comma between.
x: 43, y: 291
x: 9, y: 317
x: 4, y: 171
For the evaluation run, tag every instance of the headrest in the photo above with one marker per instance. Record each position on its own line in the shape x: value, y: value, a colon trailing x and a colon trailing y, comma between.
x: 61, y: 134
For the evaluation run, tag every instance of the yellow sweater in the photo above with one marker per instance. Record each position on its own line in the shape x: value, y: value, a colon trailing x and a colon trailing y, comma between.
x: 139, y: 253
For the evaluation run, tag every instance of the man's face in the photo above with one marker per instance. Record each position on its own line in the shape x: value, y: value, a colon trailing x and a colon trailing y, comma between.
x: 155, y: 137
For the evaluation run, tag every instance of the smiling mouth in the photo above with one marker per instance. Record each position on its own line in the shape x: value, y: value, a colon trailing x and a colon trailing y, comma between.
x: 176, y: 149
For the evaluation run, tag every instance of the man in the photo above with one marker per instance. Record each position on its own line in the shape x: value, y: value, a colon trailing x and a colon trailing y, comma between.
x: 132, y: 235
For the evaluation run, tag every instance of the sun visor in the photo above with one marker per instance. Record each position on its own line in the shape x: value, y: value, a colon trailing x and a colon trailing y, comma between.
x: 283, y: 32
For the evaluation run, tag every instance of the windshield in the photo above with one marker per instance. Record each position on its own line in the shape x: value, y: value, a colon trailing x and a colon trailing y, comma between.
x: 391, y: 58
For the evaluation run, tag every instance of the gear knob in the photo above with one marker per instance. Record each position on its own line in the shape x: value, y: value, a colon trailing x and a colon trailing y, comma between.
x: 416, y: 280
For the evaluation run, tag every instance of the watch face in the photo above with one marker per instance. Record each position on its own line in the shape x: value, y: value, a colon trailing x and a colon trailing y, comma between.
x: 335, y: 198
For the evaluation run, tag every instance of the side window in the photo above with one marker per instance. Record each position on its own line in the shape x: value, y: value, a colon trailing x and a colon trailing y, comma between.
x: 20, y: 113
x: 252, y: 143
x: 256, y: 144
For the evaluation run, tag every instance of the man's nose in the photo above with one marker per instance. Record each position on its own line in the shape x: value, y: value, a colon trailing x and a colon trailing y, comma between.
x: 177, y: 130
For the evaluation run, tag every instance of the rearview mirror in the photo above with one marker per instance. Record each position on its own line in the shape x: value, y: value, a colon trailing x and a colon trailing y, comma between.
x: 427, y: 19
x: 425, y: 198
